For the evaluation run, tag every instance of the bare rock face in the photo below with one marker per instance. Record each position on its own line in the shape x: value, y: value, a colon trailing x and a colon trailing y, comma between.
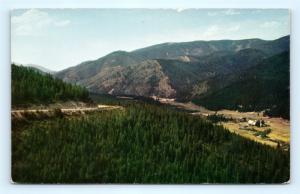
x: 142, y: 79
x: 164, y: 88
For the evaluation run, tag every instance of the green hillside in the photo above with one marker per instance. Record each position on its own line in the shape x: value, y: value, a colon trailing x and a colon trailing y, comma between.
x: 141, y: 144
x: 264, y: 86
x: 29, y: 86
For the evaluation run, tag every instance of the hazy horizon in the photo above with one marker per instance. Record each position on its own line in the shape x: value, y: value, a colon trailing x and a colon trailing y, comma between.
x: 60, y: 38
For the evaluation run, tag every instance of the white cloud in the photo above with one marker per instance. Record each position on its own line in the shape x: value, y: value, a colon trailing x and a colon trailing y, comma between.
x: 212, y: 32
x: 33, y: 21
x: 228, y: 12
x: 180, y: 10
x: 231, y: 12
x: 270, y: 24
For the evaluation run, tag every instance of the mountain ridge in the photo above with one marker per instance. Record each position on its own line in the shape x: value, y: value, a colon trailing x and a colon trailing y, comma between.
x: 179, y: 70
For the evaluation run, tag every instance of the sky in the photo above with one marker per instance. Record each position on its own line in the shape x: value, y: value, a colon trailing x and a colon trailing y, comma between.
x: 60, y: 38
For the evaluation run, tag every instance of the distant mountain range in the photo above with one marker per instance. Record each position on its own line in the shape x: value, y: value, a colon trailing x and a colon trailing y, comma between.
x: 42, y: 69
x: 185, y: 71
x: 38, y: 68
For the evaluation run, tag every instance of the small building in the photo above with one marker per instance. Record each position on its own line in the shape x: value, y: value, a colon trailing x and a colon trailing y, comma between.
x: 251, y: 122
x: 257, y: 123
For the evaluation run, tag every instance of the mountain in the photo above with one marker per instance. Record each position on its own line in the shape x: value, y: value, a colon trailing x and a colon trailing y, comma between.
x: 189, y: 78
x: 41, y: 69
x: 204, y: 48
x: 188, y: 70
x: 264, y: 86
x: 88, y: 69
x: 120, y: 73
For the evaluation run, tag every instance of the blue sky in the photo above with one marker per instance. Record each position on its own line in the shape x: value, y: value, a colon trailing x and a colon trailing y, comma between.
x: 60, y: 38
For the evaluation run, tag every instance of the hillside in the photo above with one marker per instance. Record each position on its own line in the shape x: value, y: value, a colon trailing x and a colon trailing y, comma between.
x: 172, y: 70
x: 29, y: 86
x: 143, y: 143
x: 88, y: 69
x: 264, y: 86
x: 190, y: 71
x: 186, y: 77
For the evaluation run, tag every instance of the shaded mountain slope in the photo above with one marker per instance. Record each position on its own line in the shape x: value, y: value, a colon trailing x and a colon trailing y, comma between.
x: 265, y: 86
x: 186, y: 78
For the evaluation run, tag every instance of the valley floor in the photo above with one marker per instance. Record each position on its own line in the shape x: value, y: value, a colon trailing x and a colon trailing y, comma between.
x: 239, y: 123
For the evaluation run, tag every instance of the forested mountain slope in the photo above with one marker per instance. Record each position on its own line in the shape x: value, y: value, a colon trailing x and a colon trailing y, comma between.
x: 189, y: 78
x: 142, y: 144
x: 264, y: 86
x: 29, y: 86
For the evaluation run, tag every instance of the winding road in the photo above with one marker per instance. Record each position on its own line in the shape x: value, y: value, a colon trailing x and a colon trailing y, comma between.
x: 21, y: 113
